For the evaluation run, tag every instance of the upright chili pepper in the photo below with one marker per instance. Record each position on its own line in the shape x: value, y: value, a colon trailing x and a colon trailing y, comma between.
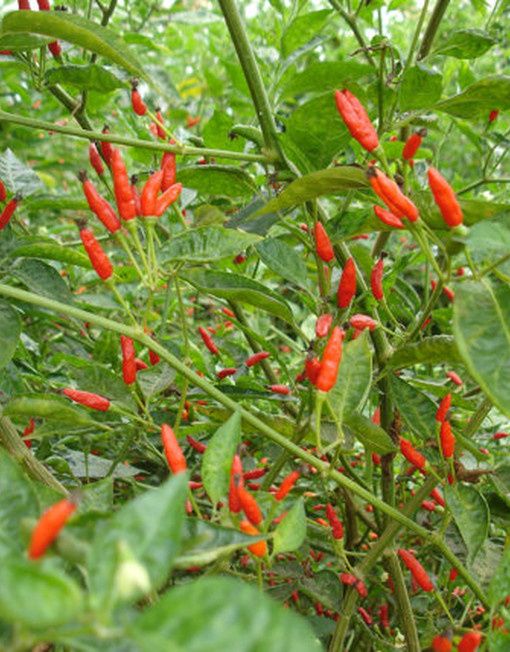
x: 95, y: 159
x: 413, y: 143
x: 323, y: 324
x: 417, y: 571
x: 55, y: 49
x: 470, y: 642
x: 441, y: 644
x: 388, y: 218
x: 136, y: 195
x: 412, y: 455
x: 337, y: 529
x: 323, y: 245
x: 44, y: 5
x: 436, y: 495
x: 167, y: 198
x: 173, y: 452
x: 128, y: 359
x: 376, y: 277
x: 447, y: 439
x: 287, y: 483
x: 236, y: 479
x: 106, y: 147
x: 259, y: 549
x: 100, y: 261
x: 8, y: 211
x: 256, y: 358
x: 98, y: 205
x: 139, y: 106
x: 384, y: 615
x: 169, y: 167
x: 347, y: 285
x: 365, y: 615
x: 150, y: 192
x: 3, y: 192
x: 208, y: 341
x: 249, y: 505
x: 443, y: 408
x: 330, y: 363
x: 28, y: 431
x: 159, y: 125
x: 493, y: 115
x: 389, y: 192
x: 122, y: 187
x: 94, y: 401
x: 24, y: 4
x: 48, y: 527
x: 356, y: 119
x: 312, y: 368
x: 445, y: 198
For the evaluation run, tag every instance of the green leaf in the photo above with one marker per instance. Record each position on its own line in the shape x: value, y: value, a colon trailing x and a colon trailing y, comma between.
x: 354, y: 378
x: 91, y: 77
x: 310, y: 186
x: 466, y: 44
x: 303, y: 29
x: 43, y: 279
x: 499, y: 587
x: 488, y: 241
x: 481, y: 325
x: 323, y: 76
x: 282, y: 259
x: 416, y: 408
x: 17, y: 176
x: 220, y: 613
x: 291, y: 531
x: 217, y: 459
x: 10, y: 331
x: 370, y: 435
x: 78, y: 31
x: 471, y: 514
x: 479, y: 99
x: 150, y: 527
x: 206, y: 244
x: 240, y: 288
x: 223, y: 180
x: 47, y: 406
x: 21, y: 41
x: 420, y: 88
x: 431, y: 350
x: 156, y: 379
x: 37, y: 248
x: 95, y: 466
x: 35, y: 597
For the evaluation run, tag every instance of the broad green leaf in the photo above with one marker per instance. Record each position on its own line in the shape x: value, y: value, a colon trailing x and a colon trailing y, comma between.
x: 479, y: 99
x: 36, y: 597
x: 369, y: 434
x: 499, y: 588
x: 218, y: 129
x: 481, y: 325
x: 220, y: 613
x: 43, y: 279
x: 21, y: 41
x: 217, y: 459
x: 150, y: 526
x: 323, y: 76
x: 489, y: 240
x: 416, y: 408
x: 156, y: 379
x: 78, y: 31
x: 431, y: 350
x: 324, y: 182
x: 303, y: 29
x: 471, y: 514
x: 206, y: 244
x: 282, y: 259
x: 240, y: 288
x: 56, y: 203
x: 420, y: 88
x: 10, y: 330
x: 354, y: 378
x: 95, y: 466
x: 47, y: 406
x: 17, y: 176
x: 50, y: 250
x: 223, y: 180
x: 466, y: 44
x: 291, y: 531
x: 91, y: 77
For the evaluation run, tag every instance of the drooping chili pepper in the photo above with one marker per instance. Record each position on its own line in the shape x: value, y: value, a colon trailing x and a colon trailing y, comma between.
x: 348, y: 578
x: 287, y: 483
x: 441, y: 644
x: 356, y: 119
x: 449, y: 293
x: 445, y: 198
x: 169, y: 167
x: 139, y: 106
x: 98, y: 205
x: 259, y: 549
x: 337, y: 529
x: 224, y: 373
x: 493, y: 115
x: 412, y: 455
x: 140, y: 365
x: 361, y: 588
x: 236, y: 479
x: 153, y: 357
x: 249, y: 505
x: 280, y: 389
x: 360, y: 322
x: 122, y: 187
x: 388, y: 218
x: 94, y: 401
x: 256, y: 358
x: 95, y: 159
x: 128, y: 359
x: 27, y: 432
x: 55, y: 49
x: 323, y: 324
x: 330, y: 362
x: 48, y: 527
x: 98, y: 257
x: 389, y: 192
x: 8, y: 211
x: 447, y: 439
x: 167, y: 198
x: 24, y: 4
x: 365, y: 615
x: 347, y: 284
x: 150, y: 192
x: 470, y: 642
x: 106, y: 147
x: 323, y: 245
x: 208, y: 341
x: 429, y: 505
x: 197, y: 445
x: 417, y: 571
x: 44, y: 5
x: 413, y: 143
x: 455, y: 378
x: 384, y: 615
x: 436, y: 495
x: 173, y: 452
x: 160, y: 124
x: 136, y: 195
x: 376, y: 278
x: 312, y: 368
x: 3, y: 192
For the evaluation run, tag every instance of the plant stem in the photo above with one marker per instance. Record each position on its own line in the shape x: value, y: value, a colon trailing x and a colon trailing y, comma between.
x: 407, y: 620
x: 351, y: 21
x: 434, y: 22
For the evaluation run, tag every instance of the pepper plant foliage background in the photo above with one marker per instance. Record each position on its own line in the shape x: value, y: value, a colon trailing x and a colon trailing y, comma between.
x: 132, y: 570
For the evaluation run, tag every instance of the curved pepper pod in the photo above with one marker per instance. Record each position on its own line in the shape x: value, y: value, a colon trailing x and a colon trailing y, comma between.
x: 388, y: 191
x: 445, y: 198
x: 356, y: 119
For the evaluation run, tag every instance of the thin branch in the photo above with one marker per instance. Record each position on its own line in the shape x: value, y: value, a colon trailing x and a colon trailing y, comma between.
x: 432, y: 27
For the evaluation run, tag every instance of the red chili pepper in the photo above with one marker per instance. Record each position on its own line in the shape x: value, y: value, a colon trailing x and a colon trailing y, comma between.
x: 365, y: 615
x: 323, y: 324
x: 376, y: 277
x: 122, y: 187
x: 153, y: 357
x: 449, y: 293
x: 441, y: 644
x: 98, y: 205
x: 417, y: 571
x: 150, y: 193
x: 376, y: 459
x: 139, y: 106
x: 160, y: 132
x: 493, y: 115
x: 453, y: 575
x: 167, y: 198
x: 500, y: 435
x: 254, y: 474
x: 169, y: 167
x: 256, y: 358
x: 348, y: 579
x: 356, y: 119
x: 447, y: 440
x: 44, y: 5
x: 436, y: 495
x: 100, y: 261
x: 94, y: 401
x: 412, y: 455
x: 347, y: 285
x: 429, y: 505
x: 236, y: 479
x: 8, y: 212
x: 330, y: 363
x: 280, y: 389
x: 136, y: 195
x: 287, y: 483
x: 55, y: 49
x: 312, y: 369
x: 140, y: 365
x: 208, y: 341
x: 388, y: 218
x: 28, y: 431
x: 128, y: 359
x: 337, y: 528
x: 197, y: 445
x: 389, y: 192
x: 3, y: 192
x: 360, y: 322
x: 361, y: 587
x: 470, y: 642
x: 259, y: 549
x: 106, y: 147
x: 95, y: 159
x: 249, y: 505
x: 323, y: 246
x: 24, y: 4
x: 443, y: 408
x: 413, y: 144
x: 228, y: 312
x: 455, y: 378
x: 173, y: 452
x: 48, y: 527
x: 445, y: 198
x: 384, y: 615
x: 224, y: 373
